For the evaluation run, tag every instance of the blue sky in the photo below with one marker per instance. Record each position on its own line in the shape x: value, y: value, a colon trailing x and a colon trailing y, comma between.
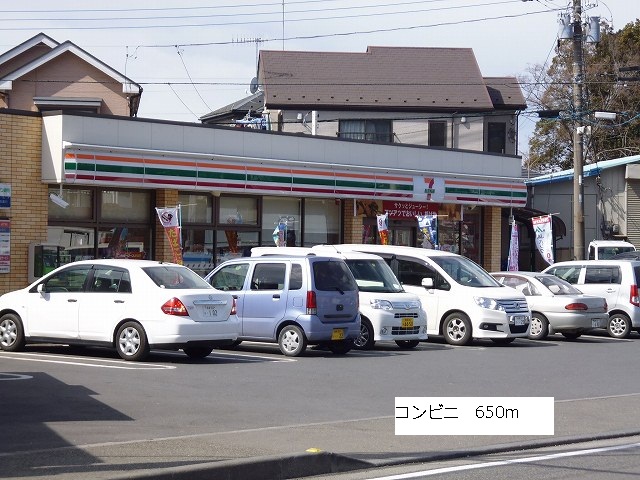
x: 194, y: 56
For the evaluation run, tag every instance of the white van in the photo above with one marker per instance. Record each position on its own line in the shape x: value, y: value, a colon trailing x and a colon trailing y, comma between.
x: 606, y: 249
x: 387, y: 311
x: 461, y: 300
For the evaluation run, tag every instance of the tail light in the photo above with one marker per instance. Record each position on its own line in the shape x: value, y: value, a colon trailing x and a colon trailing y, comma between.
x: 633, y: 296
x: 234, y: 307
x: 175, y: 307
x: 312, y: 305
x: 576, y: 306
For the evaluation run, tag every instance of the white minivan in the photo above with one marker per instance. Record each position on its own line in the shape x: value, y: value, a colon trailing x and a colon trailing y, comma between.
x: 388, y: 312
x: 461, y: 300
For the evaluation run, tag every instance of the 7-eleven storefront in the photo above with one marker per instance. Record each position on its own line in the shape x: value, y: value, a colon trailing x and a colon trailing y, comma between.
x: 257, y: 188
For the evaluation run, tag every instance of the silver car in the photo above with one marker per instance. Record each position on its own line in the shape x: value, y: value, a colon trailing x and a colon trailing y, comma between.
x: 556, y: 305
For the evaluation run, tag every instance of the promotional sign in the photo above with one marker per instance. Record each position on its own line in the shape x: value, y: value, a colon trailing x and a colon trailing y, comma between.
x: 170, y: 220
x: 544, y: 237
x: 428, y: 225
x: 383, y: 228
x: 514, y: 247
x: 5, y: 246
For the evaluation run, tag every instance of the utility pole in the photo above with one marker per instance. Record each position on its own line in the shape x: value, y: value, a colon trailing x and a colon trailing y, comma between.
x: 578, y: 130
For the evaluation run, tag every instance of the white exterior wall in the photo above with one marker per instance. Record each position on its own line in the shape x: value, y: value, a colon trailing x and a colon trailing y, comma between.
x: 251, y: 144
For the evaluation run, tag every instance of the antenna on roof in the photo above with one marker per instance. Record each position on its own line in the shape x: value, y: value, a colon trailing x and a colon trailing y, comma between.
x: 254, y: 86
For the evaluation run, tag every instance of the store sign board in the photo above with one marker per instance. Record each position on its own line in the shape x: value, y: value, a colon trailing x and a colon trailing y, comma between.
x: 5, y: 246
x: 5, y: 195
x: 408, y: 210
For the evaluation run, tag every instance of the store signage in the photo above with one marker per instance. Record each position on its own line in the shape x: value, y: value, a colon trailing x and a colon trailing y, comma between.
x: 5, y: 195
x: 408, y: 210
x: 5, y: 246
x: 430, y: 189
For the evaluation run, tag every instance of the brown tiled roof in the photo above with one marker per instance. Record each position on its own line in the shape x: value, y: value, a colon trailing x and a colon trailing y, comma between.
x: 382, y: 78
x: 505, y: 93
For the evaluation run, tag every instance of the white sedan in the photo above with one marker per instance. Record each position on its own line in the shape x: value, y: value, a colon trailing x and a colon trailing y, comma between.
x: 130, y: 305
x: 556, y: 305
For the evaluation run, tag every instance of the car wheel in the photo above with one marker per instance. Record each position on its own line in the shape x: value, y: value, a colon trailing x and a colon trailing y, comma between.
x: 197, y: 352
x: 365, y: 340
x: 457, y: 329
x: 503, y: 341
x: 340, y: 347
x: 571, y: 335
x: 131, y: 342
x: 11, y: 333
x: 292, y: 341
x: 619, y: 325
x: 407, y: 344
x: 539, y: 328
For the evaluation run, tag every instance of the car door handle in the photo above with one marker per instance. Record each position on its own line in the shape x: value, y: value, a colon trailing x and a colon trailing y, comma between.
x: 72, y: 300
x: 276, y: 295
x: 118, y: 301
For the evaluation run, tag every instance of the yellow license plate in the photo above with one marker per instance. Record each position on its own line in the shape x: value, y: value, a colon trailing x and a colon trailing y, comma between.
x: 407, y: 323
x: 337, y: 334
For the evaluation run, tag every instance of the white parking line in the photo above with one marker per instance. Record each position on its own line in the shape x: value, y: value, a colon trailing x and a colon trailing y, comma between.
x: 474, y: 466
x: 14, y: 376
x: 83, y: 361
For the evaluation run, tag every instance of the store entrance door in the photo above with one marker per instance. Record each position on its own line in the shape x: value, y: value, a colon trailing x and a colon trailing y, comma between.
x: 404, y: 236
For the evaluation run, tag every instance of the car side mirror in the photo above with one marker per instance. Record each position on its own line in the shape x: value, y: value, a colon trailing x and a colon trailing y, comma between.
x: 41, y: 289
x: 427, y: 282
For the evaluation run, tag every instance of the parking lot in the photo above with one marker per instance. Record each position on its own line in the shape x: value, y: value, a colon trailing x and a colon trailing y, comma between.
x: 84, y: 413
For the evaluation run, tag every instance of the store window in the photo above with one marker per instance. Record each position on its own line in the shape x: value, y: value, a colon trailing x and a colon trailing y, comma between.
x: 281, y: 221
x: 116, y: 205
x: 233, y: 244
x: 321, y: 221
x: 238, y: 210
x: 121, y: 230
x: 76, y: 204
x: 195, y: 208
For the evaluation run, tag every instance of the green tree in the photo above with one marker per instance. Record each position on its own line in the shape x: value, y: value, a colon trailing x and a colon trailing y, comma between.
x: 551, y: 90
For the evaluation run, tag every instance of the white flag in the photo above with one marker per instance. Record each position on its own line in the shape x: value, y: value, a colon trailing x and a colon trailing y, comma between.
x: 544, y: 237
x: 514, y: 247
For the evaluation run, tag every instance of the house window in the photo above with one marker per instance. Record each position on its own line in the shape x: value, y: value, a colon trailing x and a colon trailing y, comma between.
x: 370, y: 130
x: 437, y: 134
x: 496, y: 137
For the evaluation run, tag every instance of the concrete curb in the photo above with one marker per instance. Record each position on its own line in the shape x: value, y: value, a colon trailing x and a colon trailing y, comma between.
x: 309, y: 464
x: 257, y: 468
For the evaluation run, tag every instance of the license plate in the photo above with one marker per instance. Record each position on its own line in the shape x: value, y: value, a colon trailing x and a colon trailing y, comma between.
x: 597, y: 323
x: 407, y: 323
x: 337, y: 334
x: 209, y: 311
x: 519, y: 319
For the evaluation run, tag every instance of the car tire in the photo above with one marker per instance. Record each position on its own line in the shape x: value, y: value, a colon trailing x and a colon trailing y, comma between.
x: 539, y: 328
x: 503, y: 341
x: 619, y: 325
x: 457, y: 329
x: 11, y: 333
x: 407, y: 344
x: 292, y: 341
x: 131, y: 342
x: 340, y: 347
x: 365, y: 340
x: 571, y: 335
x: 197, y: 352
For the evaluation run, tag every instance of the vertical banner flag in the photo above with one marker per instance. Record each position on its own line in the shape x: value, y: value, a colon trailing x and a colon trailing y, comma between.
x: 383, y: 228
x: 428, y: 225
x: 170, y: 220
x: 544, y: 237
x: 514, y: 247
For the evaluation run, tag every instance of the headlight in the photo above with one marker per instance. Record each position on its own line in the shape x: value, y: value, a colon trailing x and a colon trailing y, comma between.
x: 382, y: 304
x: 489, y: 303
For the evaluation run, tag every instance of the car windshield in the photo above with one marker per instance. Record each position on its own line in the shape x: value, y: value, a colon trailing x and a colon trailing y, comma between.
x: 558, y: 286
x: 609, y: 252
x: 175, y: 277
x: 465, y: 272
x: 374, y: 276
